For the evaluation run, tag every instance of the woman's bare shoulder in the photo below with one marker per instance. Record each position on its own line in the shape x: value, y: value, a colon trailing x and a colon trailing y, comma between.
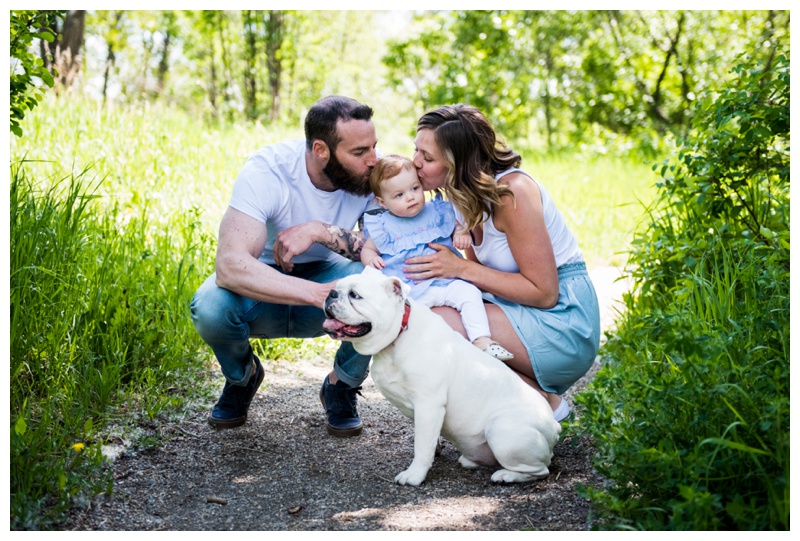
x: 526, y: 191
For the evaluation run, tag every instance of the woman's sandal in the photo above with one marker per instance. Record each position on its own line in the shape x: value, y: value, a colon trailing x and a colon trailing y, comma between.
x: 563, y: 411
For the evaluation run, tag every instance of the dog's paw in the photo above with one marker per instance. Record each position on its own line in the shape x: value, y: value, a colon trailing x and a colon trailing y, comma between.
x: 508, y: 476
x: 410, y: 477
x: 467, y: 463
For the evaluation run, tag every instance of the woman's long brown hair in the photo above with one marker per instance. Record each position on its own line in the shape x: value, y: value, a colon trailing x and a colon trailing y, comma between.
x: 474, y: 155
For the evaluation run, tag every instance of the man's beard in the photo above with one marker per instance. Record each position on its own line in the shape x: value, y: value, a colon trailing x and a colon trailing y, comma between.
x: 344, y: 179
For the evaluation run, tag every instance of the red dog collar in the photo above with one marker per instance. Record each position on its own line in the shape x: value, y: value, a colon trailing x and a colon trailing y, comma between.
x: 406, y: 313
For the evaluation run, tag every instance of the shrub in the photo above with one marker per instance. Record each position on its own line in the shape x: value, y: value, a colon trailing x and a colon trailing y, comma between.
x: 691, y: 412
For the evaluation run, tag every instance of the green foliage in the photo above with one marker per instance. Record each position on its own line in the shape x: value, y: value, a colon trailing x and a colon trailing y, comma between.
x: 26, y: 68
x: 731, y: 178
x: 559, y: 78
x: 691, y: 412
x: 49, y: 474
x: 102, y: 272
x: 485, y: 58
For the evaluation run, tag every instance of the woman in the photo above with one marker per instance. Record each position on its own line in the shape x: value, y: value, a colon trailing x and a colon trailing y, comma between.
x: 542, y: 305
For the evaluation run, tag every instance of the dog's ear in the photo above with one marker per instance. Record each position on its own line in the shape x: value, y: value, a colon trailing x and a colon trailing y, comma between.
x: 399, y: 288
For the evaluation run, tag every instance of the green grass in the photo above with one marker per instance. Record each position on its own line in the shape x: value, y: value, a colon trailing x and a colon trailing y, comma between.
x: 164, y: 160
x: 693, y: 403
x: 154, y: 158
x: 601, y: 199
x: 104, y: 259
x: 98, y: 321
x: 113, y: 222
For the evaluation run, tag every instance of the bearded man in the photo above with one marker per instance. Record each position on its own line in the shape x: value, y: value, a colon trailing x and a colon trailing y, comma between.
x: 285, y: 239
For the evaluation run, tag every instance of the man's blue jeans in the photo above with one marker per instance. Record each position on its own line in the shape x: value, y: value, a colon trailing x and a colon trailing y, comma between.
x: 227, y: 321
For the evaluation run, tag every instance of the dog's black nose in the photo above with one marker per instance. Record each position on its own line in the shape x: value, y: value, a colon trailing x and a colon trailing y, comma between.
x: 331, y: 299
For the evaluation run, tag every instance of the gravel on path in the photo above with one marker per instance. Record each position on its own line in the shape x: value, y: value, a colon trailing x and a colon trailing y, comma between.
x: 281, y: 471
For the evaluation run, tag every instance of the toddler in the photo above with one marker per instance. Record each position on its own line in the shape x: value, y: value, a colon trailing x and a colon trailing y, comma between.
x: 403, y: 229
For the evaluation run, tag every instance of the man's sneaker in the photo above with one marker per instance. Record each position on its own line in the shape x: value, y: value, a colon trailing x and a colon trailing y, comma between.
x: 340, y: 404
x: 231, y: 408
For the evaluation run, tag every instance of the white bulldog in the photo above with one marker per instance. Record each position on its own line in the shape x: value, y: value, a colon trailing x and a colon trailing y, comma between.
x: 447, y: 386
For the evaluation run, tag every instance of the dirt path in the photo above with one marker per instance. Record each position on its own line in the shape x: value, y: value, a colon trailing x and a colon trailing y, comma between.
x: 281, y: 471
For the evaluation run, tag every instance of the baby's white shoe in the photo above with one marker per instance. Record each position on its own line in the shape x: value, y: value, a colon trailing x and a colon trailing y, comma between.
x: 498, y: 352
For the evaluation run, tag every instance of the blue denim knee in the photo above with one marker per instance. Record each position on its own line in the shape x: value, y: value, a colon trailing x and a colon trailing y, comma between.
x: 217, y: 317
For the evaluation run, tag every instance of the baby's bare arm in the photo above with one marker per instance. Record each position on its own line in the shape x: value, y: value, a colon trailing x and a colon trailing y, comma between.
x: 462, y: 240
x: 370, y: 257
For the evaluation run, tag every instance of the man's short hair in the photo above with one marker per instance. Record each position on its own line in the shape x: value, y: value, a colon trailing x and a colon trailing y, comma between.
x: 322, y: 118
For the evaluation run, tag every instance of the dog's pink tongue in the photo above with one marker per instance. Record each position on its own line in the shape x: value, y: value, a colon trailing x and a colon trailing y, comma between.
x: 333, y: 325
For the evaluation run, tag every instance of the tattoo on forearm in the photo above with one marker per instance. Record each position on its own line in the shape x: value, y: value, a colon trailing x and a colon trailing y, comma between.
x: 344, y: 242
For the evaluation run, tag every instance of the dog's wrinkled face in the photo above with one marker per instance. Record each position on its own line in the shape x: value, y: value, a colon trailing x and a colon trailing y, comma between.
x: 338, y: 310
x: 365, y: 309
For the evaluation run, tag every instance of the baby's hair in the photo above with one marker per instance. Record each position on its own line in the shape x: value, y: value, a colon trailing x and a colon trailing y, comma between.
x: 388, y: 167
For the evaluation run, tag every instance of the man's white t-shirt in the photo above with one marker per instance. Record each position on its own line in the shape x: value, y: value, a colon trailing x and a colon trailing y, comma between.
x: 274, y: 188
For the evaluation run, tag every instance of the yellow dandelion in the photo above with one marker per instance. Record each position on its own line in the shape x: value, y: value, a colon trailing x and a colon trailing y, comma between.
x: 78, y: 447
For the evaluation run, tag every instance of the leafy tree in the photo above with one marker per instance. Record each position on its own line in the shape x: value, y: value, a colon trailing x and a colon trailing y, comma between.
x: 642, y: 72
x: 578, y: 77
x: 26, y: 68
x: 262, y: 52
x: 467, y: 56
x: 250, y: 56
x: 273, y: 45
x: 327, y: 52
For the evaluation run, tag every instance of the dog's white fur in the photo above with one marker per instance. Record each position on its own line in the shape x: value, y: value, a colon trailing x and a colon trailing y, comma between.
x: 443, y: 383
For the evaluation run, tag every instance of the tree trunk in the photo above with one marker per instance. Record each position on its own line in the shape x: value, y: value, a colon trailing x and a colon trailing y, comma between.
x: 672, y: 51
x: 548, y: 112
x: 68, y: 50
x: 110, y: 55
x: 224, y: 87
x: 47, y: 50
x: 163, y: 64
x: 110, y: 59
x: 273, y: 26
x: 207, y: 42
x: 250, y: 52
x: 212, y: 87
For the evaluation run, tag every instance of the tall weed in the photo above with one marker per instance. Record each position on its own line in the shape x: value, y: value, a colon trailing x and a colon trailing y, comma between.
x: 98, y: 305
x: 691, y: 412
